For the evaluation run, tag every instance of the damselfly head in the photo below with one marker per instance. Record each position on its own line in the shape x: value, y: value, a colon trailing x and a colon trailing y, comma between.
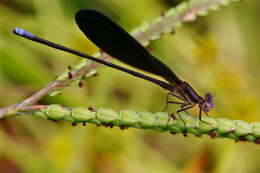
x: 207, y: 103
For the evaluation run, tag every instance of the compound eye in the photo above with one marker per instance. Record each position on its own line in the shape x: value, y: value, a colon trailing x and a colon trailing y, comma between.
x: 209, y: 98
x: 206, y: 107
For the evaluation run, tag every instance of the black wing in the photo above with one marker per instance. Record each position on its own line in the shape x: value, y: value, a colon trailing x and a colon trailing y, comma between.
x: 115, y: 41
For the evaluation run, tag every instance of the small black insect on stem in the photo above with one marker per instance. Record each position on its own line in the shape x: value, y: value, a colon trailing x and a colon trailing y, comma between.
x: 115, y: 41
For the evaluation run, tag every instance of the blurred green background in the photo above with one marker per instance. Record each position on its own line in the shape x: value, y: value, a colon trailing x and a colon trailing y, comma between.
x: 217, y: 53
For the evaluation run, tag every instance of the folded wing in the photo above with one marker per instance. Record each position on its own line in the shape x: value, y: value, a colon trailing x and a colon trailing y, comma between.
x: 115, y: 41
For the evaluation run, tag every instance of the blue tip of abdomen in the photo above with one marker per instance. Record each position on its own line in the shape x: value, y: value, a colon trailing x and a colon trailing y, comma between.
x: 22, y: 32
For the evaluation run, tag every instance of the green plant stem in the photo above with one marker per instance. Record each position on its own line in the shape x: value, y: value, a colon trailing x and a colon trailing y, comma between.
x: 161, y: 121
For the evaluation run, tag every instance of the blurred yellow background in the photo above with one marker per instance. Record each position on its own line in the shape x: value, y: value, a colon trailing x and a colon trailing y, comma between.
x: 218, y: 53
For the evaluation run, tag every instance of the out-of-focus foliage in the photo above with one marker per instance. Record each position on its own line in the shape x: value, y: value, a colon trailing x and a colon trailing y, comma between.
x: 218, y: 53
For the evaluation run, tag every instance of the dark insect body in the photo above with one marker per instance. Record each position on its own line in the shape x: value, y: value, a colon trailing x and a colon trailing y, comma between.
x: 115, y: 41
